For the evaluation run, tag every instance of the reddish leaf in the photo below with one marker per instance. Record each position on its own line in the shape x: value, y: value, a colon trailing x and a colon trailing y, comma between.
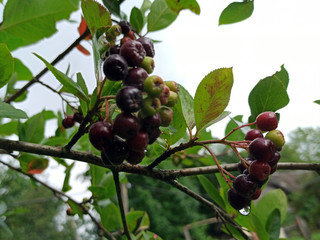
x: 82, y: 28
x: 37, y: 166
x: 83, y: 50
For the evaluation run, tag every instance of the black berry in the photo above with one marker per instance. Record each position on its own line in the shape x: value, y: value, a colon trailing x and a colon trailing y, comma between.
x: 129, y: 99
x: 115, y: 67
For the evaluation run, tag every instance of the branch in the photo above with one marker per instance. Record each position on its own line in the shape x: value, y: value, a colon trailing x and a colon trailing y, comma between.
x: 55, y: 61
x: 58, y: 194
x: 120, y: 201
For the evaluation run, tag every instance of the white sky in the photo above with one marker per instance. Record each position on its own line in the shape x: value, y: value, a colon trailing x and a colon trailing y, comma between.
x: 279, y: 32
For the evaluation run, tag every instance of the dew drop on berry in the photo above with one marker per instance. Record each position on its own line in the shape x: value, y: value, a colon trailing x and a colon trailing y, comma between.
x: 245, y: 211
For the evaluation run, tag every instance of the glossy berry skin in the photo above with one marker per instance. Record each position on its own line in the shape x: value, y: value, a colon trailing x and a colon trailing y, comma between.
x: 135, y: 157
x: 256, y: 195
x: 241, y: 167
x: 148, y: 64
x: 101, y: 135
x: 244, y: 186
x: 115, y: 49
x: 136, y: 77
x: 262, y: 149
x: 116, y: 153
x: 126, y: 125
x: 237, y: 201
x: 147, y: 45
x: 267, y: 121
x: 115, y: 67
x: 259, y: 170
x: 129, y: 99
x: 139, y: 142
x: 154, y: 135
x: 166, y: 115
x: 275, y: 160
x: 154, y: 85
x: 173, y: 86
x: 173, y: 99
x: 133, y: 52
x: 277, y: 138
x: 151, y: 122
x: 68, y: 121
x: 125, y: 26
x: 253, y: 134
x: 78, y: 117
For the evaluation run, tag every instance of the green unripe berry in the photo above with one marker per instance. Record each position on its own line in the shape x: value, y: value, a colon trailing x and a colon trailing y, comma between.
x: 166, y: 115
x: 153, y: 85
x: 276, y: 137
x: 173, y: 86
x: 172, y: 100
x: 150, y: 106
x: 148, y: 64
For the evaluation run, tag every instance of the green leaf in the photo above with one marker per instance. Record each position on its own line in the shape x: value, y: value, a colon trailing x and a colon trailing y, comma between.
x: 33, y: 129
x: 96, y: 15
x: 270, y: 201
x: 236, y: 12
x: 146, y: 5
x: 75, y: 208
x: 67, y: 82
x: 8, y: 111
x: 110, y: 217
x: 160, y: 16
x: 186, y: 101
x: 96, y: 174
x: 132, y: 219
x: 26, y: 22
x: 6, y: 65
x: 234, y: 123
x: 317, y: 101
x: 212, y: 96
x: 113, y: 7
x: 273, y: 224
x: 6, y: 129
x: 66, y: 186
x: 269, y: 94
x: 177, y: 128
x: 23, y: 73
x: 259, y: 227
x: 82, y: 83
x: 211, y: 190
x: 136, y: 19
x: 178, y: 5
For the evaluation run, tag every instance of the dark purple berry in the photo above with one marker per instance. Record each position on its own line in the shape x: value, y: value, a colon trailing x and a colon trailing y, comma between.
x: 126, y: 125
x: 135, y: 157
x: 236, y: 201
x: 115, y: 67
x: 275, y: 160
x: 244, y: 185
x: 133, y: 52
x: 115, y: 49
x: 129, y: 99
x: 68, y: 121
x: 78, y: 117
x: 259, y: 170
x: 253, y: 134
x: 267, y: 121
x: 116, y: 153
x: 136, y: 77
x: 139, y: 142
x: 147, y: 45
x: 154, y: 135
x: 125, y: 26
x: 151, y: 122
x: 101, y: 135
x: 262, y: 149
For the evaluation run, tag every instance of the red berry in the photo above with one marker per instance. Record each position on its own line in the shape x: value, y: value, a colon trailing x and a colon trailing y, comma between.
x: 253, y: 134
x: 256, y: 195
x: 262, y: 149
x: 136, y: 77
x: 237, y: 201
x: 267, y: 121
x: 139, y: 142
x: 101, y: 135
x: 126, y: 125
x: 68, y: 121
x: 135, y: 157
x: 259, y: 170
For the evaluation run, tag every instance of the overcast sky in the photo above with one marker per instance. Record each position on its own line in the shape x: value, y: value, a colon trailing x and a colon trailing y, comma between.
x: 279, y: 32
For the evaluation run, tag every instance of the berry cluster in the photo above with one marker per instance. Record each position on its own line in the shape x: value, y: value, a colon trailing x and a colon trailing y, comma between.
x: 145, y: 101
x: 260, y: 163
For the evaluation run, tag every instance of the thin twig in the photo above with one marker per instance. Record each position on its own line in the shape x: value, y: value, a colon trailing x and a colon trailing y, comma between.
x: 120, y: 201
x: 58, y: 194
x: 55, y: 61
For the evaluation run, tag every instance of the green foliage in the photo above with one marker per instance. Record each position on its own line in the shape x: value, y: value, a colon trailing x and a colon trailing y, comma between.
x: 8, y: 111
x: 212, y: 97
x: 26, y: 22
x: 6, y: 65
x: 136, y: 19
x: 270, y: 94
x: 236, y: 12
x: 177, y: 6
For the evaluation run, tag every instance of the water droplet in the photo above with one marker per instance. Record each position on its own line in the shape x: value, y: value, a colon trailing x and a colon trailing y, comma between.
x: 245, y: 211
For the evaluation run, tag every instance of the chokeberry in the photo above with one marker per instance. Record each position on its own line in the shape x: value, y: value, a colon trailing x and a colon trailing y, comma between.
x: 133, y: 52
x: 259, y: 170
x: 126, y: 125
x: 116, y: 153
x: 147, y: 45
x: 153, y: 135
x: 135, y: 157
x: 138, y: 142
x: 136, y: 77
x: 262, y: 149
x: 101, y: 135
x: 150, y: 106
x: 68, y: 121
x: 151, y: 122
x: 237, y: 201
x: 244, y: 185
x: 277, y: 138
x: 129, y: 99
x: 267, y: 121
x: 125, y: 26
x: 164, y: 96
x: 154, y: 85
x: 78, y: 117
x: 166, y: 115
x: 115, y: 67
x: 253, y: 134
